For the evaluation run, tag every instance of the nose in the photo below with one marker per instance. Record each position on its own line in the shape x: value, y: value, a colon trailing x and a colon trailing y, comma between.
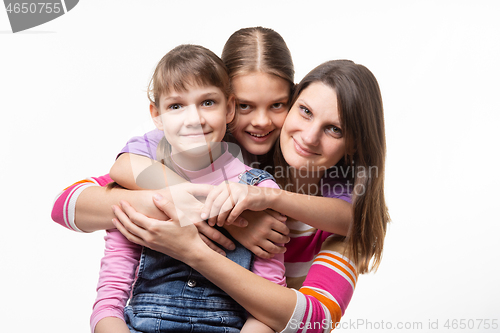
x: 311, y: 135
x: 193, y: 117
x: 261, y: 118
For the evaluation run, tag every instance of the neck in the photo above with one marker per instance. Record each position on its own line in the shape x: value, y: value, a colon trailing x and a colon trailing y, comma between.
x: 200, y: 161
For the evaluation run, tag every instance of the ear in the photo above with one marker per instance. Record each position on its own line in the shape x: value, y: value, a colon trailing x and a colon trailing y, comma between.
x: 155, y: 115
x: 231, y: 109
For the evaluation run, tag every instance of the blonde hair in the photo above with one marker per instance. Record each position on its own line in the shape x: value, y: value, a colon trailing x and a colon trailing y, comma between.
x: 258, y: 49
x: 184, y: 65
x: 362, y: 120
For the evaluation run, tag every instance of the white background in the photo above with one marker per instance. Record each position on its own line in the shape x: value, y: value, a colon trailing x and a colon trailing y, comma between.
x: 72, y: 91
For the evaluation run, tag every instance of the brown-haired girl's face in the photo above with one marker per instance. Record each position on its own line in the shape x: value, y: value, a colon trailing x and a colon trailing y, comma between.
x: 311, y: 136
x: 261, y: 104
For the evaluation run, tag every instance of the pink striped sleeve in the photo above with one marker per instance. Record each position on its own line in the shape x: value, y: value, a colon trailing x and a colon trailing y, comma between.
x: 116, y: 277
x: 63, y: 210
x: 325, y: 294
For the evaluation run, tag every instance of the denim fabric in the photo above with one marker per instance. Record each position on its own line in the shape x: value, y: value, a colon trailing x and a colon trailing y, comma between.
x: 170, y: 296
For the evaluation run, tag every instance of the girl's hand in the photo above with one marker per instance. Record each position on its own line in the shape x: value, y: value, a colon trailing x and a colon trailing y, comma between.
x: 226, y: 202
x: 184, y: 205
x: 162, y: 236
x: 265, y: 229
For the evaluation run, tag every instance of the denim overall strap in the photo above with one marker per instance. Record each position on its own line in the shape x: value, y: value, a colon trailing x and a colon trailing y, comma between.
x: 254, y: 177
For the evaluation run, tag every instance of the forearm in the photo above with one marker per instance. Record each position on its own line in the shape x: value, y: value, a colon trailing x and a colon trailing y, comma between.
x: 327, y: 214
x: 93, y: 206
x: 136, y: 172
x: 111, y: 325
x: 268, y: 302
x: 252, y: 325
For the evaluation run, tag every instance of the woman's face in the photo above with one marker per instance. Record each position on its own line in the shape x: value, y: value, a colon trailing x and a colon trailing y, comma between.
x: 311, y: 136
x: 261, y: 106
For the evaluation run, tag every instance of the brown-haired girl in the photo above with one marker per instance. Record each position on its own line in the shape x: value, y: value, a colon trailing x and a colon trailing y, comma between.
x: 191, y: 104
x: 336, y: 120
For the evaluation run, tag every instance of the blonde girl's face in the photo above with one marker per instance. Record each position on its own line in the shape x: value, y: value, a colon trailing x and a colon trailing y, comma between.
x: 193, y: 119
x: 312, y: 137
x: 261, y: 103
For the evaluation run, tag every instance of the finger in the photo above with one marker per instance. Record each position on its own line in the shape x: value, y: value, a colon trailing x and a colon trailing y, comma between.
x: 137, y: 218
x: 272, y: 248
x: 127, y: 223
x: 215, y: 235
x: 217, y: 204
x: 165, y: 206
x: 212, y: 245
x: 131, y: 237
x: 224, y: 212
x: 278, y: 216
x: 261, y: 253
x: 277, y: 238
x: 207, y: 207
x: 201, y: 190
x: 240, y: 222
x: 235, y: 212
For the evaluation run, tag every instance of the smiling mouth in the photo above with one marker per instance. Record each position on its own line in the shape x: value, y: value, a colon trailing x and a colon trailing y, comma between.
x: 303, y: 151
x: 255, y: 135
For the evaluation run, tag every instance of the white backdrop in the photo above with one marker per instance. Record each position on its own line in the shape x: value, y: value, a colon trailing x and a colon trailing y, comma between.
x: 72, y: 91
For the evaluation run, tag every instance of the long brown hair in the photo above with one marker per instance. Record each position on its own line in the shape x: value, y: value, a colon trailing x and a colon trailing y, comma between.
x: 362, y: 120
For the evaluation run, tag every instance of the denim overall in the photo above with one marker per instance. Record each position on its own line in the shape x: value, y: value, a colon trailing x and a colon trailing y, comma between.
x: 170, y: 296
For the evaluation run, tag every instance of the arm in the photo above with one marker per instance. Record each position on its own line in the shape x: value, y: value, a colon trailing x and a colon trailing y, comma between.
x: 111, y: 325
x: 272, y: 304
x: 252, y: 325
x: 86, y: 205
x: 116, y: 276
x: 327, y: 290
x: 329, y: 214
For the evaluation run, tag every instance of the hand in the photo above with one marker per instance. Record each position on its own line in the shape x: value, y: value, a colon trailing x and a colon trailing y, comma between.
x: 226, y: 202
x: 265, y: 229
x: 209, y: 234
x: 167, y: 237
x: 183, y: 205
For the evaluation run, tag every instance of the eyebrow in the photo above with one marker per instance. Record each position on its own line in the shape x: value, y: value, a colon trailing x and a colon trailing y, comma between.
x: 203, y: 96
x: 301, y: 101
x: 283, y: 99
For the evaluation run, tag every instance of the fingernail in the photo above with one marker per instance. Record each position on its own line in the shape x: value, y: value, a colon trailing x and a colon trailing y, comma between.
x: 203, y: 216
x: 222, y: 253
x: 157, y: 197
x: 244, y: 222
x: 113, y: 208
x: 113, y: 221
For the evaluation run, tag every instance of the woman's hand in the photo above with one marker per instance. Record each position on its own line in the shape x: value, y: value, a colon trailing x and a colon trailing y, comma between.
x: 226, y: 202
x: 159, y: 234
x: 265, y: 229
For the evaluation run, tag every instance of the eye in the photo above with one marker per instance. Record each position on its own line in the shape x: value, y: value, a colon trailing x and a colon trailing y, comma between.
x: 276, y: 106
x: 305, y: 111
x: 334, y: 130
x: 175, y: 106
x: 208, y: 103
x: 244, y: 107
